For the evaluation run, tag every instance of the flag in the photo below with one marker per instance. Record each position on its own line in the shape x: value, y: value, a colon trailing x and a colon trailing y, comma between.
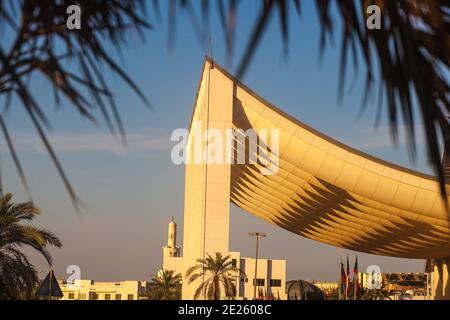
x: 342, y: 280
x: 260, y: 294
x: 347, y: 280
x: 355, y: 279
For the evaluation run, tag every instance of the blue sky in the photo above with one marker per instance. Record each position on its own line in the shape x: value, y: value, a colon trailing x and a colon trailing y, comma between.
x: 130, y: 194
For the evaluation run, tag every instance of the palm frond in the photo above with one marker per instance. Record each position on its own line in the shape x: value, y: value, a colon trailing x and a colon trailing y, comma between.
x: 217, y: 274
x: 43, y: 46
x: 18, y: 277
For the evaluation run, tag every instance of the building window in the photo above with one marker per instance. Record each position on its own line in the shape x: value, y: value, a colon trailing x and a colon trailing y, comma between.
x: 93, y: 296
x: 130, y: 297
x: 118, y: 296
x: 244, y: 279
x: 71, y: 296
x: 275, y: 282
x: 107, y: 296
x: 82, y: 296
x: 259, y: 282
x: 234, y: 263
x: 92, y: 282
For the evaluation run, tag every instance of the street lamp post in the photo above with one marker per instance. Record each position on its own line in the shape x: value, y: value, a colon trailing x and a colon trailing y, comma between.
x: 255, y: 279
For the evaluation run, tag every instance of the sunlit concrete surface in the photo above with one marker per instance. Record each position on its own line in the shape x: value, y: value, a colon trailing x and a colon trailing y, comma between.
x: 323, y: 190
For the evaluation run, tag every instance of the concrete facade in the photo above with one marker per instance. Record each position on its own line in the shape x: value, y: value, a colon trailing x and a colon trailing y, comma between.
x: 321, y: 189
x: 100, y: 290
x: 440, y: 283
x: 207, y: 194
x: 207, y: 186
x: 271, y: 277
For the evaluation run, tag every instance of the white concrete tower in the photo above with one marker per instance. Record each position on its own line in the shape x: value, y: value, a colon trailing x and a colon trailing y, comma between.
x: 171, y: 250
x: 172, y: 234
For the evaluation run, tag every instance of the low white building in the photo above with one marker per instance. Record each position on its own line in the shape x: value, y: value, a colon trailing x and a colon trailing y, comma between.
x: 270, y: 282
x: 100, y: 290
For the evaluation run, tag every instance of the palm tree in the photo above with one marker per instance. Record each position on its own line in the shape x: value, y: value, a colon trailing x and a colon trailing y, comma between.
x: 217, y: 275
x: 18, y: 277
x: 166, y: 285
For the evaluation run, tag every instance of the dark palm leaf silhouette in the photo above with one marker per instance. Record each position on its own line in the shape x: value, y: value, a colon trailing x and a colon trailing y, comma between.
x: 43, y: 45
x: 407, y: 60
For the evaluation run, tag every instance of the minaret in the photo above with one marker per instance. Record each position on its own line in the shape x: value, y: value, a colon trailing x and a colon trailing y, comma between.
x: 171, y: 249
x: 172, y: 234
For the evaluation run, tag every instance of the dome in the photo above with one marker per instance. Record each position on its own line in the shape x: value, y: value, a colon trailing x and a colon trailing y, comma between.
x: 302, y: 290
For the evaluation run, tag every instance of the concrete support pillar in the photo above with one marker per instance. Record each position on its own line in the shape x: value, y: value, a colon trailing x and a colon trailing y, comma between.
x: 441, y: 279
x: 207, y: 182
x: 445, y: 279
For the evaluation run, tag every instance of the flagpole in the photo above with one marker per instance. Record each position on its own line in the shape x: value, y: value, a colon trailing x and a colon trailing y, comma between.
x: 340, y: 279
x: 355, y: 279
x: 347, y: 279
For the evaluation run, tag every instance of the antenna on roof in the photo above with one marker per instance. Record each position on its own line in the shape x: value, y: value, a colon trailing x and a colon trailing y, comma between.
x: 211, y: 52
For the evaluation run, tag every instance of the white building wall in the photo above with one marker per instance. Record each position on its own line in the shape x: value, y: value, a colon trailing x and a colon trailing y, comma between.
x: 207, y: 192
x: 99, y: 290
x: 207, y: 209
